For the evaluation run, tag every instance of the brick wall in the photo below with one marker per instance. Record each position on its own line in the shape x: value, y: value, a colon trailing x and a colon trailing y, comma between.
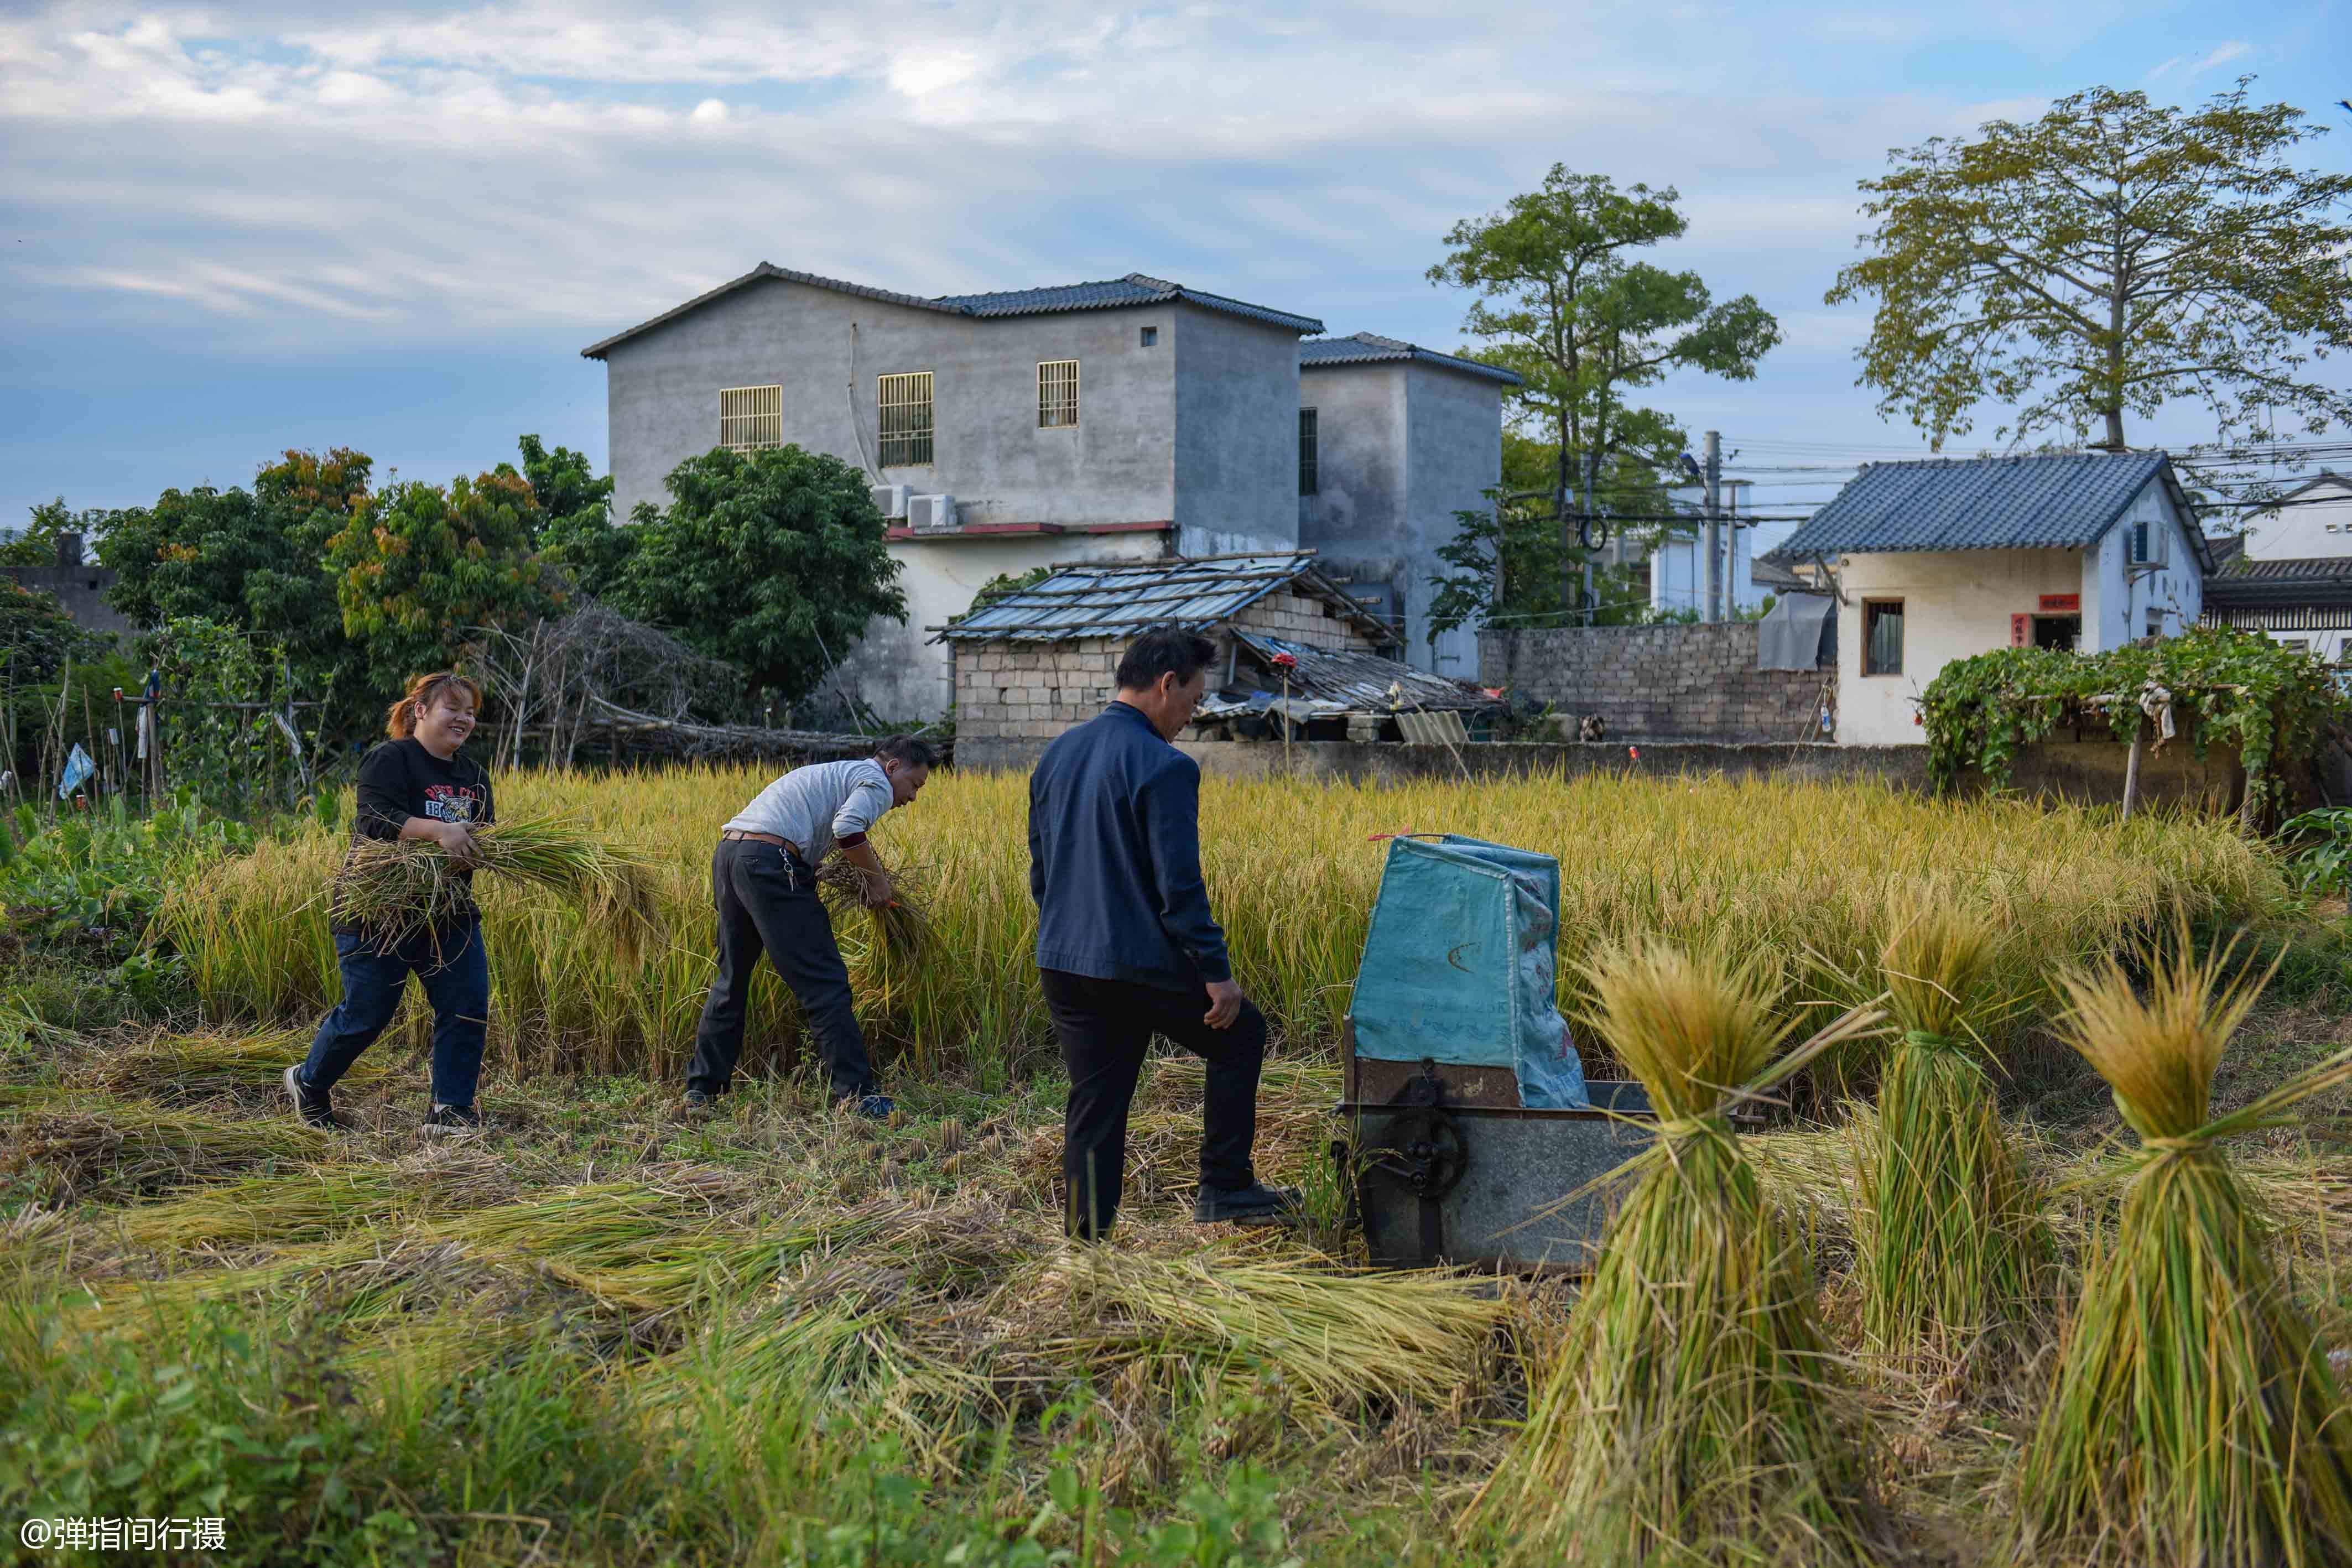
x: 1298, y: 618
x: 1034, y: 691
x: 1685, y: 682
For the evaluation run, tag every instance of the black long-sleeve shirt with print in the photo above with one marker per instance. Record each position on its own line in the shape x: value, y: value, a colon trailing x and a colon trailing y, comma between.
x: 400, y: 779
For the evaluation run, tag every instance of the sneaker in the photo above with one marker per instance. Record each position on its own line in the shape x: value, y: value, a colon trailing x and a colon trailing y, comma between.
x: 452, y: 1122
x: 314, y: 1106
x: 1251, y: 1205
x: 877, y: 1107
x: 700, y: 1103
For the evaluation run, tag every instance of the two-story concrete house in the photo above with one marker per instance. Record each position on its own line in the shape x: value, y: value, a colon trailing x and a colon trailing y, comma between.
x: 1134, y: 419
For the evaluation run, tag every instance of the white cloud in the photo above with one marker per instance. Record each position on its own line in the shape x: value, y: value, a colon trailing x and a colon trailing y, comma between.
x: 2221, y: 57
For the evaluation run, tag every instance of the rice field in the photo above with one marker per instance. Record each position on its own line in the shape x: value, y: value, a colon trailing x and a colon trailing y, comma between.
x: 1810, y: 874
x: 610, y: 1334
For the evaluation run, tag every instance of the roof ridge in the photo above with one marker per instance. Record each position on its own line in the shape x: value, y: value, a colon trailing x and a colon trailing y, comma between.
x: 1146, y: 280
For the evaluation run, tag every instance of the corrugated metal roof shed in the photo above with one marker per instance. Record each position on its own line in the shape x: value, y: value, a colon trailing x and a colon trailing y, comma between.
x: 1365, y: 682
x: 2049, y: 501
x: 1120, y: 598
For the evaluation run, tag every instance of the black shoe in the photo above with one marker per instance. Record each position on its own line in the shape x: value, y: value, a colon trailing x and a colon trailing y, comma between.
x: 1252, y: 1204
x: 700, y: 1102
x: 316, y: 1108
x: 452, y: 1122
x: 875, y: 1107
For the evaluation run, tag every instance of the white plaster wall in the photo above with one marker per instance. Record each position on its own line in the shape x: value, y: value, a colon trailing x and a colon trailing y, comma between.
x: 2117, y: 597
x: 897, y: 670
x: 1955, y: 603
x: 2317, y: 525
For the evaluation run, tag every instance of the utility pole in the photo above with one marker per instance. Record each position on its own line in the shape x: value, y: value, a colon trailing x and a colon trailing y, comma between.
x: 1711, y: 595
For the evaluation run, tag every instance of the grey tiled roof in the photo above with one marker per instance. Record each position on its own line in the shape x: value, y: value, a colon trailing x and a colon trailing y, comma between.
x: 2052, y: 502
x: 1363, y: 681
x: 1120, y: 598
x: 1370, y: 348
x: 1135, y: 289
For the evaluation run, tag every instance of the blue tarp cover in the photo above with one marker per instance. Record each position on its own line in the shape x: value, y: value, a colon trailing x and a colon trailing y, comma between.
x: 1459, y: 965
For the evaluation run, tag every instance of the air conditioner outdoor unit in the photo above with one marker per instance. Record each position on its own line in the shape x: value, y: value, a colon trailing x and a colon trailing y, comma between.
x: 932, y: 514
x: 891, y: 500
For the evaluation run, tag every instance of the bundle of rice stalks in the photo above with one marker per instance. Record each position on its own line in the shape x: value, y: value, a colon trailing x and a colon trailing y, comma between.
x: 398, y: 888
x: 311, y: 1206
x: 1686, y: 1412
x: 213, y: 1064
x: 898, y: 931
x: 2195, y: 1418
x: 1955, y: 1248
x: 131, y: 1149
x: 1337, y: 1338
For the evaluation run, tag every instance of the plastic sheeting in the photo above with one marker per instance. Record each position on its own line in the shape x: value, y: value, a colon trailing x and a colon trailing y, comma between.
x: 1790, y: 635
x: 1459, y: 966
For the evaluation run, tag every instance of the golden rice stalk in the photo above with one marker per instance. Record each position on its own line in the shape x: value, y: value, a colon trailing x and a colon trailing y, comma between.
x: 406, y: 885
x: 210, y: 1064
x: 1955, y: 1248
x: 901, y: 929
x: 2194, y: 1419
x: 1688, y: 1412
x: 100, y: 1149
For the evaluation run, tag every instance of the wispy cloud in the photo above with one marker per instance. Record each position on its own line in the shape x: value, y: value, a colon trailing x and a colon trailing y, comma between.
x: 2221, y: 57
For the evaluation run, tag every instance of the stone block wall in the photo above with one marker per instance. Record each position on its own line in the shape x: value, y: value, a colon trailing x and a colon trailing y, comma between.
x: 1034, y: 691
x: 1681, y: 683
x: 1300, y: 618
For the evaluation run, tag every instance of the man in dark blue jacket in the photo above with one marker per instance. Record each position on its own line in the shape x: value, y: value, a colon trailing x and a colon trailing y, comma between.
x: 1126, y: 946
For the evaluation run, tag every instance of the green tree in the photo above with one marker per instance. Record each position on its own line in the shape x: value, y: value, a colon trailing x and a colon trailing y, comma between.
x: 1562, y: 303
x: 36, y: 543
x: 579, y: 535
x: 771, y: 559
x: 37, y: 637
x: 249, y: 559
x: 421, y: 566
x: 2101, y: 259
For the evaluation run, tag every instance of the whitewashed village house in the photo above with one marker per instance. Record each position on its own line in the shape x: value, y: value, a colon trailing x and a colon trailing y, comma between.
x: 1129, y: 419
x: 1940, y: 560
x: 2290, y: 577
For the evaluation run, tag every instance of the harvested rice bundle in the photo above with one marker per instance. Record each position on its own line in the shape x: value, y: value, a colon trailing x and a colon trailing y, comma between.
x: 1955, y: 1248
x: 901, y: 928
x: 1686, y: 1414
x: 131, y: 1149
x: 2195, y: 1418
x: 181, y: 1069
x: 407, y: 885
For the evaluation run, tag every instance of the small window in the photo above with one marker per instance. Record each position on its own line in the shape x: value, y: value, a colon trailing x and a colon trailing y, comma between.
x: 1881, y: 637
x: 751, y: 417
x: 905, y: 404
x: 1057, y: 394
x: 2156, y: 622
x: 1150, y: 336
x: 1309, y: 472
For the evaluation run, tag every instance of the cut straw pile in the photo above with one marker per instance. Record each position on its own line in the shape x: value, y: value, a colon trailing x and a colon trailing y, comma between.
x: 397, y: 888
x: 1687, y: 1412
x: 1956, y: 1242
x: 2195, y: 1418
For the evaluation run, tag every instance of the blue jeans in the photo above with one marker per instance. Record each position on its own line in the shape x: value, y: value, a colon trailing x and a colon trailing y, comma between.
x: 455, y: 973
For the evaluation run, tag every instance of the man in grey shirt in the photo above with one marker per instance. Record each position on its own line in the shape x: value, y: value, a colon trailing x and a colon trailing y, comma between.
x: 763, y: 884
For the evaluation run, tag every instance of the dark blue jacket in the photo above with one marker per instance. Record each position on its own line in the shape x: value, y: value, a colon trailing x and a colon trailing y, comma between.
x: 1115, y: 857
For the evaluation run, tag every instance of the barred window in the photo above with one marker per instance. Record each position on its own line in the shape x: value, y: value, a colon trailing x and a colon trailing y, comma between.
x: 1057, y: 394
x: 751, y: 417
x: 1310, y: 478
x: 905, y: 401
x: 1882, y: 636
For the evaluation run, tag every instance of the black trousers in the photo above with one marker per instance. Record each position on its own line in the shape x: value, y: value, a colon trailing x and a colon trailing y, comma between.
x: 766, y: 898
x: 1104, y: 1027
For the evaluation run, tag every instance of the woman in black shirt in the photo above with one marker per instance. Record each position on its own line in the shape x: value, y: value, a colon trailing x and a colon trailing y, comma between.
x: 414, y: 786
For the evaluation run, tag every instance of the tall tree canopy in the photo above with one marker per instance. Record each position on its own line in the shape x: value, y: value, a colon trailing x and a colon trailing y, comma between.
x: 2101, y: 259
x: 1563, y: 302
x: 771, y: 559
x: 421, y: 567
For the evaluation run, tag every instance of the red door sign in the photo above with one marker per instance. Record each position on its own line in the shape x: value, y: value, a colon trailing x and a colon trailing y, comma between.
x: 2061, y: 604
x: 2021, y: 630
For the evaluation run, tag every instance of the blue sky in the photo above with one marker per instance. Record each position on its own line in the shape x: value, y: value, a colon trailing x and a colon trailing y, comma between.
x: 225, y: 231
